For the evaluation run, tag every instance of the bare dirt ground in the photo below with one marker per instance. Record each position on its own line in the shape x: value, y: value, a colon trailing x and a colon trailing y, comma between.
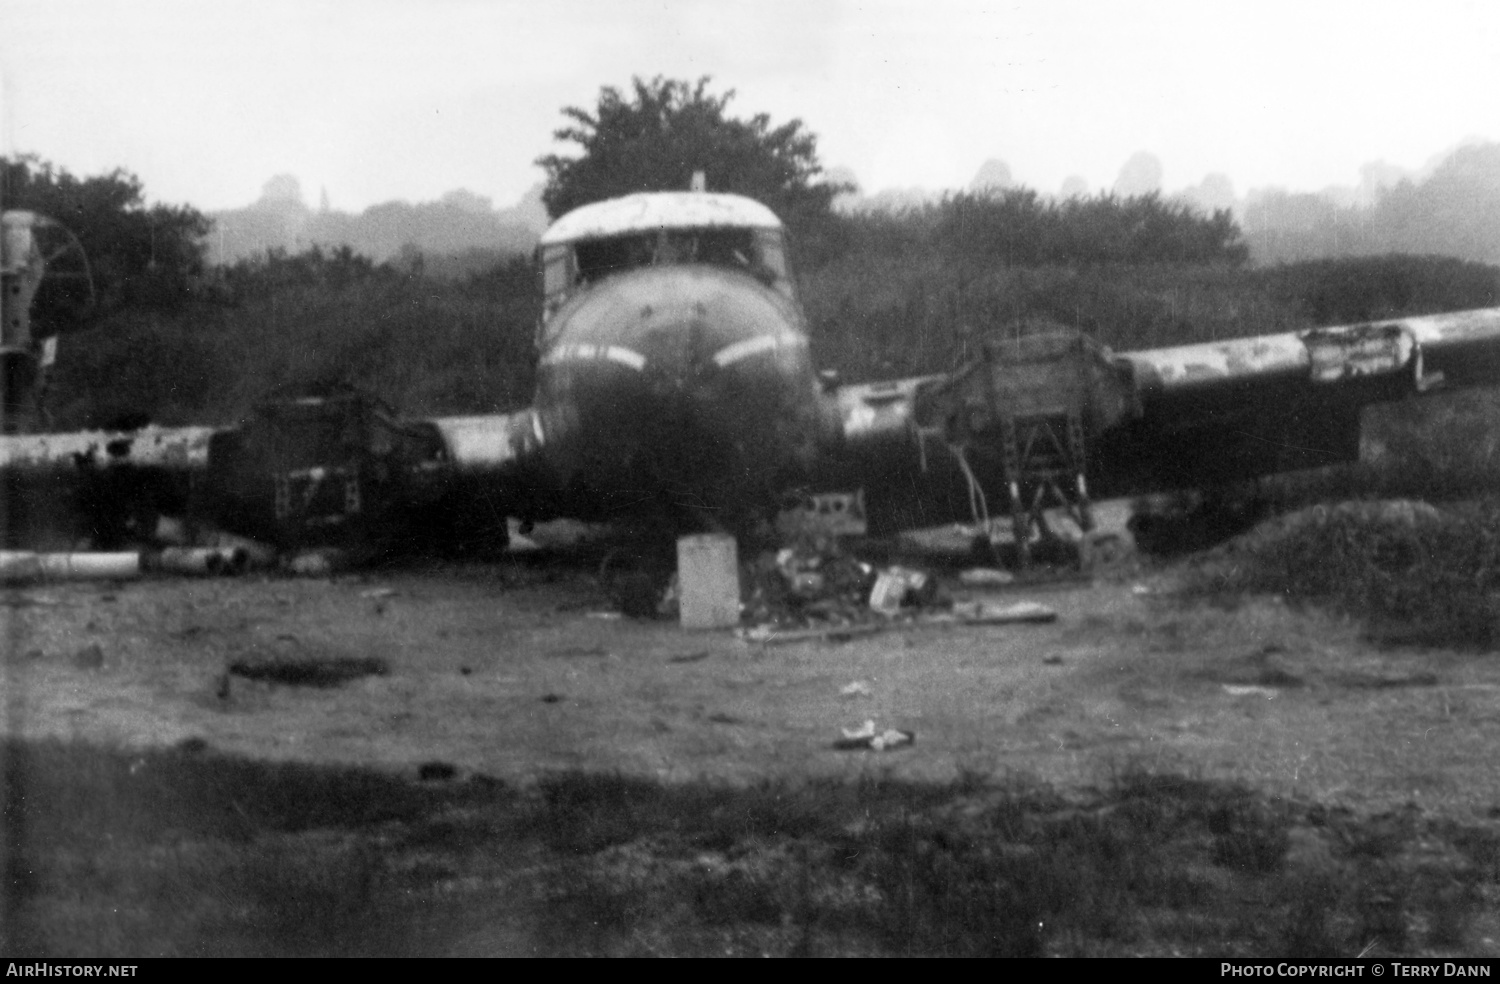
x: 616, y: 732
x: 519, y: 670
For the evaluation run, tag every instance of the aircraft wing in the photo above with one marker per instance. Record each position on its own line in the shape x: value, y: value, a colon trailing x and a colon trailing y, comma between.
x: 309, y: 470
x: 1064, y: 418
x: 102, y: 486
x: 302, y: 470
x: 1225, y: 411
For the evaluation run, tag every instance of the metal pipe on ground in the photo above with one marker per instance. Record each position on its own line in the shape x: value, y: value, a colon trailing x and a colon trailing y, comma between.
x: 25, y: 566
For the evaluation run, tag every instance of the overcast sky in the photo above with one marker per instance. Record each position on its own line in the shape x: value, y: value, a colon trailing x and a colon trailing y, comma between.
x: 375, y: 100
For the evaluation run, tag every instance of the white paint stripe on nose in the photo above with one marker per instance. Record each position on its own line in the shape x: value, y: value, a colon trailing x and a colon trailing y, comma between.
x: 625, y: 357
x: 618, y: 354
x: 730, y: 354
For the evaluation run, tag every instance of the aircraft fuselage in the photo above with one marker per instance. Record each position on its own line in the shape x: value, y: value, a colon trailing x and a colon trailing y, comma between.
x: 687, y: 388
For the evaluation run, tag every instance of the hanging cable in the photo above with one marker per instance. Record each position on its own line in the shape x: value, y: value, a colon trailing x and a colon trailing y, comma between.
x: 979, y: 506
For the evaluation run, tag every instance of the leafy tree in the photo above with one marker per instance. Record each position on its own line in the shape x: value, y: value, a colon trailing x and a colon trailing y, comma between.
x: 138, y: 256
x: 664, y: 130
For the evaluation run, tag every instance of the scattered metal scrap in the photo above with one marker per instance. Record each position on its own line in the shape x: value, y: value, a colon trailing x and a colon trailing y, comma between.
x: 171, y: 448
x: 868, y: 736
x: 767, y: 636
x: 816, y: 591
x: 810, y: 584
x: 962, y: 613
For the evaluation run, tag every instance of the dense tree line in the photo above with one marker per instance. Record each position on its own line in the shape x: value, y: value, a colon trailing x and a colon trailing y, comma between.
x: 425, y: 345
x: 1019, y: 228
x: 276, y: 270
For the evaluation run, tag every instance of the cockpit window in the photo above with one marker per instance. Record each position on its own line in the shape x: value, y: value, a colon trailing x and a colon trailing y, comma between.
x: 600, y: 258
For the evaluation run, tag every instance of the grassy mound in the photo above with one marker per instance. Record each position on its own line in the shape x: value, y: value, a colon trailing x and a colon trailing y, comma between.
x: 1407, y: 568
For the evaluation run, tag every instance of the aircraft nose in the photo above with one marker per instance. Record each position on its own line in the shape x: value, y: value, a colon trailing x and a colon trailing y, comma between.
x: 676, y: 348
x: 701, y: 384
x: 686, y: 341
x: 734, y: 379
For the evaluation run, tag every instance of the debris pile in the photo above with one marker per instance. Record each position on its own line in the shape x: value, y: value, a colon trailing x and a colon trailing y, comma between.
x: 1412, y: 571
x: 812, y: 583
x: 816, y: 590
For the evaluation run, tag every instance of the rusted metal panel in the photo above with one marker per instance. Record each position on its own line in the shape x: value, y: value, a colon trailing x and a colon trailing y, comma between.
x: 824, y: 514
x: 21, y: 269
x: 170, y: 448
x: 490, y: 442
x: 1461, y: 329
x: 1459, y: 349
x: 1336, y: 354
x: 1054, y: 374
x: 1186, y: 367
x: 875, y: 411
x: 648, y: 211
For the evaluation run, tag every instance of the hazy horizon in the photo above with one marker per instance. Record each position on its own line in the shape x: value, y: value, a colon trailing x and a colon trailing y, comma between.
x: 393, y: 100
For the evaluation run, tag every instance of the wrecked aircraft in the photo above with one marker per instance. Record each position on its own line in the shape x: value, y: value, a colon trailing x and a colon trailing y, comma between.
x: 675, y: 382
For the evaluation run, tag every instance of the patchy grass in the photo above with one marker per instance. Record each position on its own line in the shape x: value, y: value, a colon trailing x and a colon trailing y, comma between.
x: 185, y: 851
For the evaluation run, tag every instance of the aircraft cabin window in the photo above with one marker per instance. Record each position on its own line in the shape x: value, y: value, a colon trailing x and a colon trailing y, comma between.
x: 556, y: 271
x: 770, y: 255
x: 557, y: 281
